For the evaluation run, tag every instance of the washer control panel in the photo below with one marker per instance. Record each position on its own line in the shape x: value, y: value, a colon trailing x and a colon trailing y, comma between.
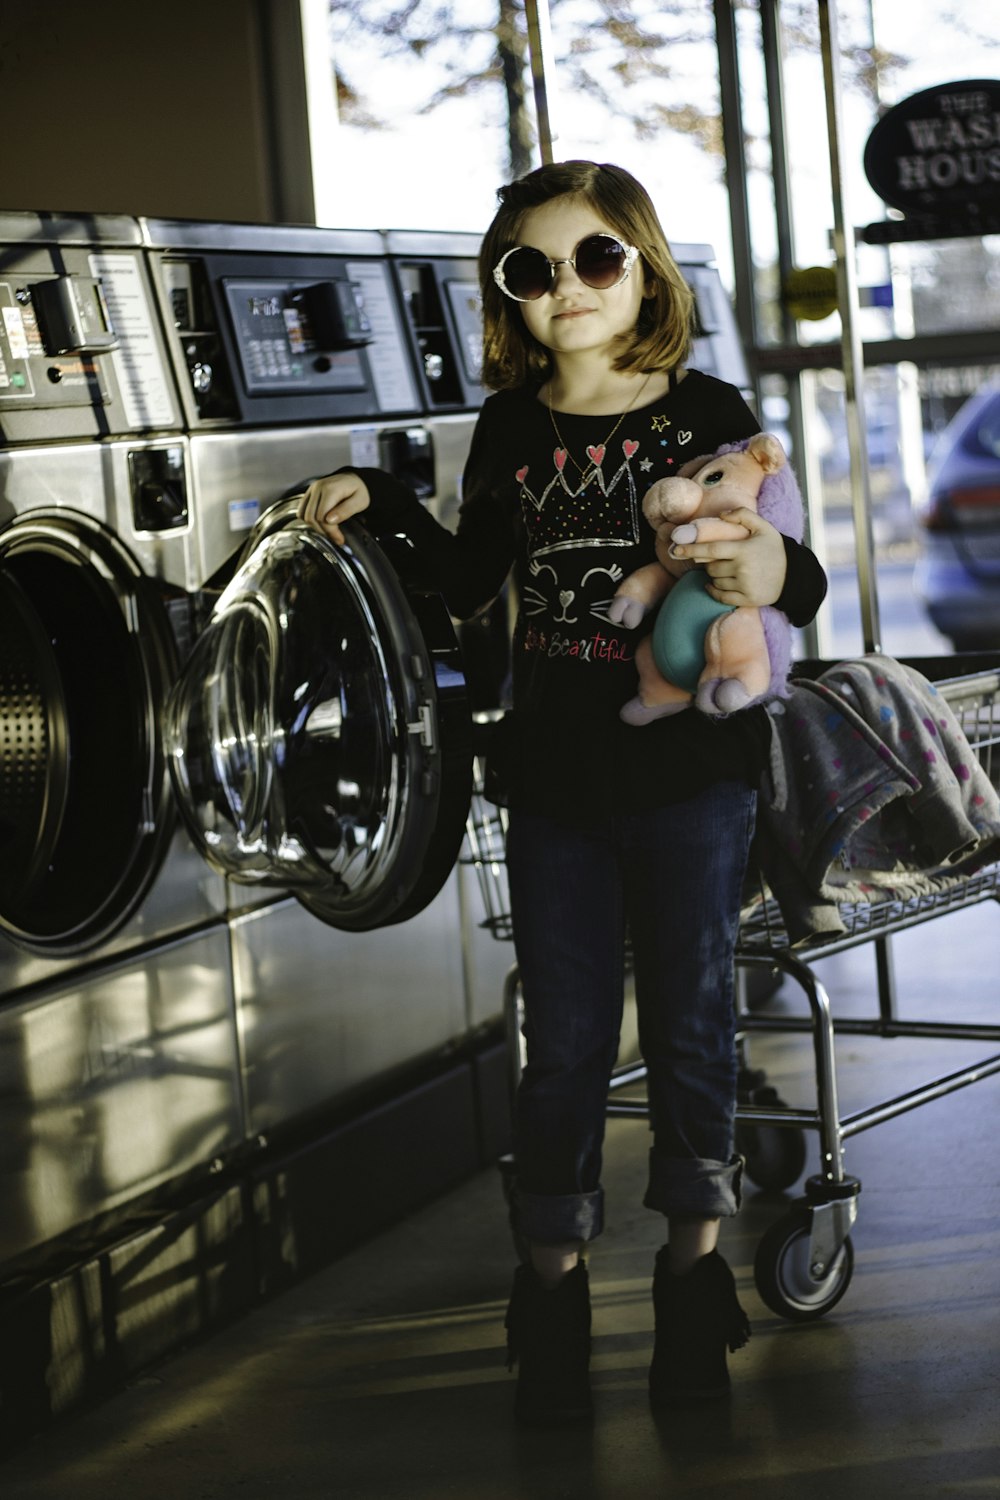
x: 81, y: 349
x: 282, y: 324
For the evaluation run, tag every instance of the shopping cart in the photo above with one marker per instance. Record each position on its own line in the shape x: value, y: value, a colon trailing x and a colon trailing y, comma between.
x: 804, y: 1262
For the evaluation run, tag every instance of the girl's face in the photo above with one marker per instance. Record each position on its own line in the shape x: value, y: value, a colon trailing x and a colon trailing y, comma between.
x: 573, y: 319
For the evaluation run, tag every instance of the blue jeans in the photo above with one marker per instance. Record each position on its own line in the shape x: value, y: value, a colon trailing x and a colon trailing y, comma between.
x: 672, y: 879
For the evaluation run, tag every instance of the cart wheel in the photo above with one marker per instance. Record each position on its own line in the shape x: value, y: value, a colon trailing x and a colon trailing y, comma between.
x: 775, y: 1157
x: 781, y: 1269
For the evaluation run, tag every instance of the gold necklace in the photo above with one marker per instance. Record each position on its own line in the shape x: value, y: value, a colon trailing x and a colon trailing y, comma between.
x: 602, y: 446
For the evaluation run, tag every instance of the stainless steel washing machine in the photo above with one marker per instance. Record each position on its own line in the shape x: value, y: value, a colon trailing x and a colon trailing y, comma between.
x: 234, y: 770
x: 119, y: 1066
x: 330, y: 791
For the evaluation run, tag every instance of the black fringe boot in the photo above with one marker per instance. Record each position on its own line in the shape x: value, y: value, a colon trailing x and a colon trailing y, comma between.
x: 548, y: 1337
x: 698, y: 1317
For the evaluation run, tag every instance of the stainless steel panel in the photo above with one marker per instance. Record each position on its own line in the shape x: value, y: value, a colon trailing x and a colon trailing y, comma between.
x: 487, y: 959
x: 113, y: 1085
x: 433, y: 242
x: 322, y: 1012
x: 72, y: 474
x: 186, y: 893
x: 237, y: 476
x: 269, y: 239
x: 451, y: 434
x: 69, y: 229
x: 92, y: 477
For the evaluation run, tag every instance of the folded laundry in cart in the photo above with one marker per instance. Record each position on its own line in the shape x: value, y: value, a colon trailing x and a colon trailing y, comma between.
x: 872, y: 793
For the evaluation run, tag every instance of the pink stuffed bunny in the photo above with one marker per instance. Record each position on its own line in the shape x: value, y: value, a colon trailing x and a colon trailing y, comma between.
x: 719, y: 657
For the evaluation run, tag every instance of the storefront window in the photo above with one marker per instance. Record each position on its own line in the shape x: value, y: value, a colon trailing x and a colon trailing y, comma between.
x: 929, y: 308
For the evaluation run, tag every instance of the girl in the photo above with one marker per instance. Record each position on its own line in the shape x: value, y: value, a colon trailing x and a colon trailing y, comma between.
x: 613, y: 829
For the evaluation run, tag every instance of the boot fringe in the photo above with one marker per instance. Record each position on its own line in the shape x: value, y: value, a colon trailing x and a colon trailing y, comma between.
x: 513, y: 1343
x: 698, y: 1317
x: 548, y: 1337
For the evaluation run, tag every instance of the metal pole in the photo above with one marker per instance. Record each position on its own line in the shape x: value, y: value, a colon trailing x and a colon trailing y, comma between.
x: 814, y: 635
x: 851, y: 351
x: 540, y: 52
x: 736, y: 180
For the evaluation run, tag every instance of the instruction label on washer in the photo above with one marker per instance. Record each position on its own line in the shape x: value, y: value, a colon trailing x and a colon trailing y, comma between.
x: 144, y: 390
x: 395, y: 387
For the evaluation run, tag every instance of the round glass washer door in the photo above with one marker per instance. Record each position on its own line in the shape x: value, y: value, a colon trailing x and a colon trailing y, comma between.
x: 319, y: 736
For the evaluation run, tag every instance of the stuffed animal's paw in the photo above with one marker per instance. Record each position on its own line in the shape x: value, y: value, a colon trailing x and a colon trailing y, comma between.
x: 723, y: 695
x: 625, y: 611
x: 637, y: 713
x: 684, y: 536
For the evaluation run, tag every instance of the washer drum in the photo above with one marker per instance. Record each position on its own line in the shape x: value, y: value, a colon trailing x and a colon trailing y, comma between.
x: 86, y: 660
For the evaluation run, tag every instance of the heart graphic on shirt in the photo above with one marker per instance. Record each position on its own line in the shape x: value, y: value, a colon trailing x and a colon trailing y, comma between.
x: 521, y: 474
x: 628, y: 447
x: 684, y: 437
x: 560, y: 457
x: 596, y: 455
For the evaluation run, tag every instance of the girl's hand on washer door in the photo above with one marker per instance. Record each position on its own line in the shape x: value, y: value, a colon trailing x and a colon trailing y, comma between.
x: 328, y: 502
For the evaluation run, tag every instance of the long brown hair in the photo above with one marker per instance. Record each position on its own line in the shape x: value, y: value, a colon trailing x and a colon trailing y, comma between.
x: 661, y: 339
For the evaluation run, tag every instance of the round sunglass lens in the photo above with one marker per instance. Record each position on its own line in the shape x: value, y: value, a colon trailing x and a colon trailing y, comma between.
x: 600, y: 261
x: 527, y: 274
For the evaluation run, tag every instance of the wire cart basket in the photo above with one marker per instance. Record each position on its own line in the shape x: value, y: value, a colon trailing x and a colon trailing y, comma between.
x: 804, y: 1262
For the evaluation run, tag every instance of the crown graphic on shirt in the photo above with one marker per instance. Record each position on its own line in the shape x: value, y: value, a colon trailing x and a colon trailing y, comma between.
x: 599, y: 509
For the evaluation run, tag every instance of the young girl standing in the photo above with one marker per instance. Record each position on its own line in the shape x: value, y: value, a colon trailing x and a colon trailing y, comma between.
x: 614, y: 830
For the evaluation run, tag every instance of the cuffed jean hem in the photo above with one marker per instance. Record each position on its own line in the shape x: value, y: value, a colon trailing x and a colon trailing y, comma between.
x: 546, y: 1220
x: 687, y: 1187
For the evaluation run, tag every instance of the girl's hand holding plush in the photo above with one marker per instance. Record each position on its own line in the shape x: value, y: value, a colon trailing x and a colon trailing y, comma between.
x: 748, y: 568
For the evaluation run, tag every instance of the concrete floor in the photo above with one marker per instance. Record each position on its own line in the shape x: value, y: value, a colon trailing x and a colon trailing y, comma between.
x: 384, y: 1375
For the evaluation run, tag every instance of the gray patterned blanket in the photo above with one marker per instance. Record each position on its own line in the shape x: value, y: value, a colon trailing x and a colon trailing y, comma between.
x: 872, y: 793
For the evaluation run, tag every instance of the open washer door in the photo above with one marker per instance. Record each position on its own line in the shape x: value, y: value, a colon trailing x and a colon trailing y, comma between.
x: 320, y: 735
x: 87, y: 657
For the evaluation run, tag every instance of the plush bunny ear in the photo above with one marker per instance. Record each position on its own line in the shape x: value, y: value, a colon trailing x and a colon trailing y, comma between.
x: 768, y: 452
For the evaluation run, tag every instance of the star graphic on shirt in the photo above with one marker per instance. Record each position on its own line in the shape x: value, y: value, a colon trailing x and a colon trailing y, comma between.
x: 660, y: 423
x: 646, y: 465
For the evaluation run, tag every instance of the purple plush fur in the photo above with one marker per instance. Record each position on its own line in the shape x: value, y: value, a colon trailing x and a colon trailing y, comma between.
x: 780, y: 502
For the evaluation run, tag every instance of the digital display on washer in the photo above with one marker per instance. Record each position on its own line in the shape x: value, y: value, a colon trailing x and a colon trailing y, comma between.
x: 283, y: 346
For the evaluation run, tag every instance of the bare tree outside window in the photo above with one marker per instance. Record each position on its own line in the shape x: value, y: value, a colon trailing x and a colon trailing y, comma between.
x: 648, y: 64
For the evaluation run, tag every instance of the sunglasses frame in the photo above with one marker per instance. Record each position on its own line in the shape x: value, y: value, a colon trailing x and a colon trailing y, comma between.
x: 631, y: 256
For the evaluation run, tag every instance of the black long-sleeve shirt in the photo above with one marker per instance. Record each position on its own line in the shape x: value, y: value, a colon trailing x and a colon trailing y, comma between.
x: 561, y: 501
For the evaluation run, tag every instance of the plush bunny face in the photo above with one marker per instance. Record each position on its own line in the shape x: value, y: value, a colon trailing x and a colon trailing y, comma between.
x: 709, y: 487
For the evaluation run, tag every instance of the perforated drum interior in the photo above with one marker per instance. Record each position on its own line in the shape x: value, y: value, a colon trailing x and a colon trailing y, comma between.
x: 32, y: 744
x: 88, y: 658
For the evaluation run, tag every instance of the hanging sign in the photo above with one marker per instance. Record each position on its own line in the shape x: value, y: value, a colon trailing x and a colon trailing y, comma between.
x: 938, y: 152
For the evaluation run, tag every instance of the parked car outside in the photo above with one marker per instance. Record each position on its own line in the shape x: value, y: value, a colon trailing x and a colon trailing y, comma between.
x: 957, y: 576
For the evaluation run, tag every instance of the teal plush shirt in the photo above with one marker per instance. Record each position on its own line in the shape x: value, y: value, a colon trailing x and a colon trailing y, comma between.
x: 679, y: 632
